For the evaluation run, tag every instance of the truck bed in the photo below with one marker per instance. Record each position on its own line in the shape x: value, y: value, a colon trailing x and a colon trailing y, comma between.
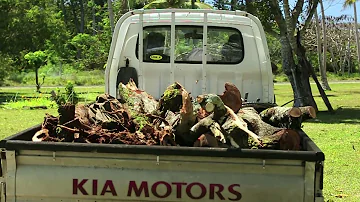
x: 53, y: 171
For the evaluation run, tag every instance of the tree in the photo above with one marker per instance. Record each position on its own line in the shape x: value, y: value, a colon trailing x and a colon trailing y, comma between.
x: 111, y: 15
x: 287, y: 24
x: 162, y: 4
x: 352, y: 3
x: 324, y: 82
x: 36, y: 60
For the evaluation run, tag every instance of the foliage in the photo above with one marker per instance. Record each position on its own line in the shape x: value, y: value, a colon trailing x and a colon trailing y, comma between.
x: 5, y: 67
x: 36, y: 59
x: 341, y: 51
x: 25, y: 102
x: 69, y: 97
x: 161, y: 4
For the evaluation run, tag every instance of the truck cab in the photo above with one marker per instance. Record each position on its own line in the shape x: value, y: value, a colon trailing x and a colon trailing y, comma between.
x: 201, y: 49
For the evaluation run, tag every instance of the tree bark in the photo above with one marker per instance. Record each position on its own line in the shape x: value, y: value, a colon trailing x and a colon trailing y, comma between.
x: 111, y: 15
x: 233, y: 5
x: 301, y: 53
x: 324, y: 81
x: 318, y: 39
x: 356, y: 33
x: 82, y: 18
x: 124, y: 8
x: 73, y: 8
x: 298, y: 77
x: 37, y: 79
x: 193, y: 4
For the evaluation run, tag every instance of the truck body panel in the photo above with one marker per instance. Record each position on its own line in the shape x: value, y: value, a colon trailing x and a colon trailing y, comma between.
x: 201, y: 75
x: 49, y: 171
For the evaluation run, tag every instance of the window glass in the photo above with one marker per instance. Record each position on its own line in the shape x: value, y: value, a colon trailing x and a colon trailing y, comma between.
x: 157, y: 44
x: 189, y: 42
x: 225, y: 45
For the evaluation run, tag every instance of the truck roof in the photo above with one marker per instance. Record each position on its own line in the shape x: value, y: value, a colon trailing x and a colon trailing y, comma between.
x: 164, y: 16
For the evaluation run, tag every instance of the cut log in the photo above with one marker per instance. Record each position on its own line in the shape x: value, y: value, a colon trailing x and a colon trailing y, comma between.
x: 139, y: 101
x: 207, y: 125
x: 235, y: 137
x: 271, y: 137
x: 206, y: 140
x: 177, y: 108
x: 283, y: 117
x: 231, y: 97
x: 213, y: 103
x: 307, y: 112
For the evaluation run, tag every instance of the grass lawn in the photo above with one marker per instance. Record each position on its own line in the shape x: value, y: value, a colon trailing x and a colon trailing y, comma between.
x: 337, y: 135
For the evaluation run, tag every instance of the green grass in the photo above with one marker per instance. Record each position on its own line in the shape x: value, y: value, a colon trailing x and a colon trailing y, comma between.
x: 330, y: 76
x: 337, y: 135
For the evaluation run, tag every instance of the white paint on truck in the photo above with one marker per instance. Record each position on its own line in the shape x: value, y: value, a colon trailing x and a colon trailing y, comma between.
x: 203, y: 71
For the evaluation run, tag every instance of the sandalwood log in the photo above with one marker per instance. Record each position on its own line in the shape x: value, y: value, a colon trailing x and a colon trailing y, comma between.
x: 283, y: 117
x: 208, y: 125
x: 231, y: 97
x: 213, y: 103
x: 307, y: 112
x: 177, y: 108
x: 206, y: 140
x: 271, y: 137
x: 138, y: 100
x: 243, y: 126
x: 235, y: 136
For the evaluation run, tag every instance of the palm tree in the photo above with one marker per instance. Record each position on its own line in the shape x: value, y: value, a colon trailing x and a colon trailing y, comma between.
x: 352, y: 3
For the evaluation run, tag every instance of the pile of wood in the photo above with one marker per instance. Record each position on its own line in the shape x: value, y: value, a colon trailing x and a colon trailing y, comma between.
x: 177, y: 119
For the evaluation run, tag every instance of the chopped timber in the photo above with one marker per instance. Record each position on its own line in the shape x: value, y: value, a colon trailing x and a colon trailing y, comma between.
x: 271, y: 137
x: 284, y: 117
x: 176, y: 119
x: 231, y: 97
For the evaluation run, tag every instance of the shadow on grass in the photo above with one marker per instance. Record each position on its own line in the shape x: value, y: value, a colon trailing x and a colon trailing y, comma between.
x: 7, y: 96
x: 341, y: 115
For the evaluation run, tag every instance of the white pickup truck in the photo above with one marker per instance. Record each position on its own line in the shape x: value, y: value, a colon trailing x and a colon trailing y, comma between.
x: 201, y: 49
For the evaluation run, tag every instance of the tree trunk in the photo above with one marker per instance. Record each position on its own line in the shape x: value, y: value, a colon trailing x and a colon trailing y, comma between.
x: 193, y: 4
x: 82, y: 16
x: 334, y: 62
x: 73, y: 8
x: 233, y: 5
x: 298, y: 77
x: 356, y: 34
x: 318, y: 39
x: 324, y: 81
x: 111, y: 15
x: 250, y: 7
x: 64, y: 11
x: 93, y: 19
x: 124, y: 8
x: 309, y: 70
x: 37, y: 79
